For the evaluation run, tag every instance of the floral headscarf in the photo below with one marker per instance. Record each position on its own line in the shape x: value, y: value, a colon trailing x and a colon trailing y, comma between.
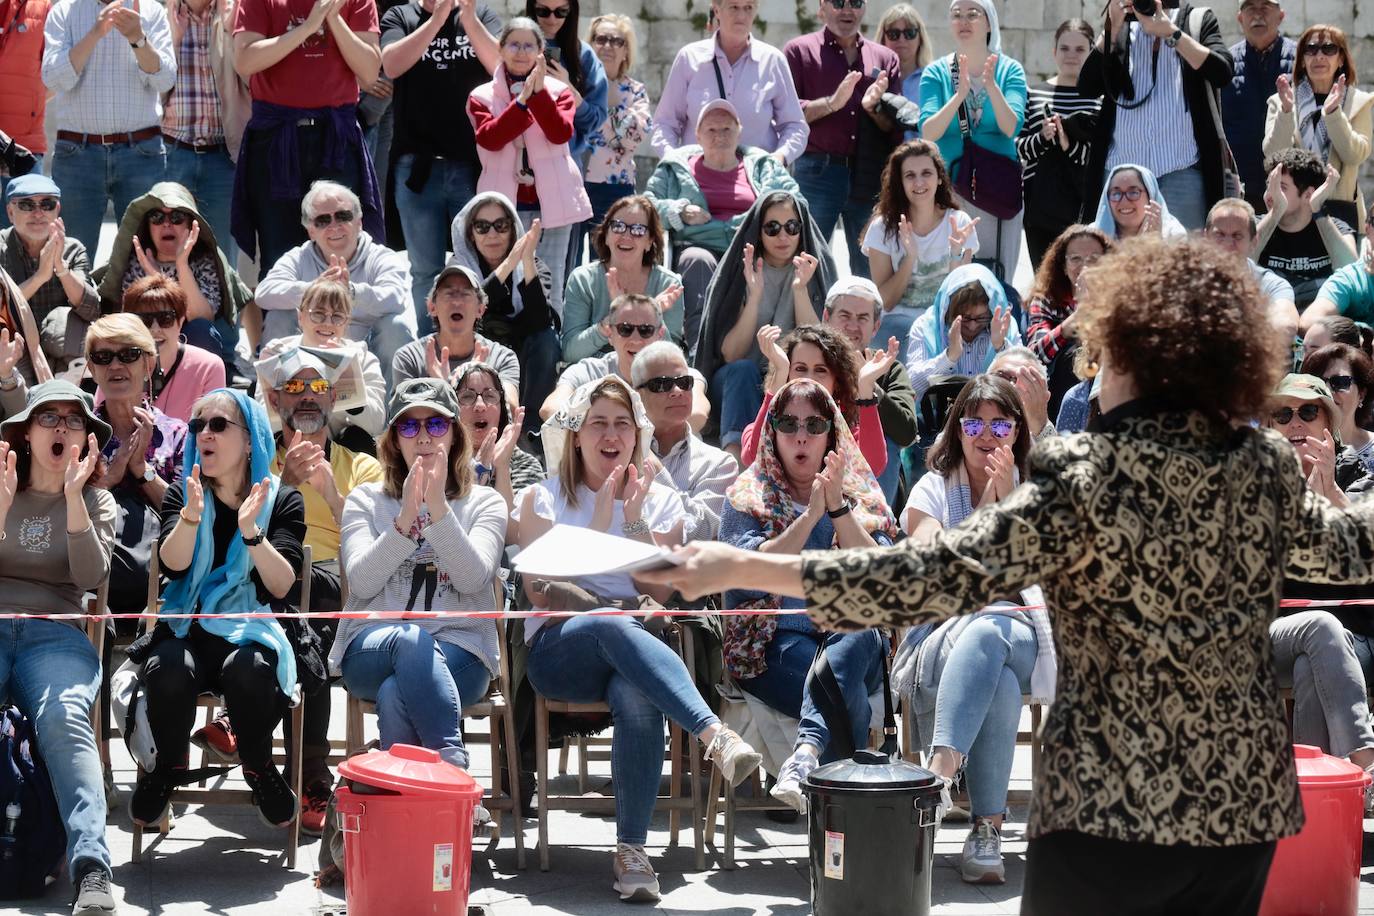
x: 559, y: 429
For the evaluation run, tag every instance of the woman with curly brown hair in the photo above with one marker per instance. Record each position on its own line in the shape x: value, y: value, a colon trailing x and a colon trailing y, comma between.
x: 1051, y: 322
x: 1161, y: 541
x: 1349, y: 373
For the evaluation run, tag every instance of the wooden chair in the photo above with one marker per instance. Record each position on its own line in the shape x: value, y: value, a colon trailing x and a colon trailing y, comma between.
x: 289, y: 748
x: 497, y: 709
x: 673, y: 802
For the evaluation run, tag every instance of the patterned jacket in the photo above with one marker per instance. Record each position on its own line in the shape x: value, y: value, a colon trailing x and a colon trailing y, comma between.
x: 1161, y: 546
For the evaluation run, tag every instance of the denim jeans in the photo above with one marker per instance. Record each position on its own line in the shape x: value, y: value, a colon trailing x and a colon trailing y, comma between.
x: 427, y: 221
x: 602, y: 195
x: 5, y: 185
x: 737, y: 389
x: 855, y: 658
x: 616, y: 660
x: 1007, y: 252
x: 978, y: 704
x: 384, y: 337
x: 696, y: 266
x: 50, y: 671
x: 210, y: 179
x: 91, y: 175
x: 1316, y: 656
x: 824, y: 182
x: 216, y: 336
x: 419, y: 684
x: 1183, y: 191
x: 553, y: 251
x: 539, y: 354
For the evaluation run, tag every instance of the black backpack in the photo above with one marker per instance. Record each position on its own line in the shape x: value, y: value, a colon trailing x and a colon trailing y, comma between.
x: 33, y: 844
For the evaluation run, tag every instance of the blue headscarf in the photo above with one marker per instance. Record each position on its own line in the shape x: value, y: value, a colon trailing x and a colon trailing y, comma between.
x: 931, y: 327
x: 1170, y: 225
x: 228, y: 588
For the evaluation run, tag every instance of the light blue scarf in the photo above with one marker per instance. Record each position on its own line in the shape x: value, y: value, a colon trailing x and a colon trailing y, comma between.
x: 1169, y: 224
x: 932, y: 328
x: 228, y: 588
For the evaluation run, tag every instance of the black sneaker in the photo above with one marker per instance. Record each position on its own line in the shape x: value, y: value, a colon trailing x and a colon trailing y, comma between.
x: 274, y: 798
x: 93, y: 896
x: 151, y: 796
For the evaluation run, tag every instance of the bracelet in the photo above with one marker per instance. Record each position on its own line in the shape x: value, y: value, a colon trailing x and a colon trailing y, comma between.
x: 11, y: 382
x: 190, y: 521
x: 867, y: 402
x: 630, y: 529
x: 840, y: 512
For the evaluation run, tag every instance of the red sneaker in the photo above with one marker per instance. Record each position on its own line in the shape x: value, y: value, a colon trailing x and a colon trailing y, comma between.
x: 315, y: 807
x: 218, y: 740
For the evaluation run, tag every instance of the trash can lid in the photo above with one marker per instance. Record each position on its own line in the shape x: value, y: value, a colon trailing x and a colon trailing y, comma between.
x: 410, y: 770
x: 1316, y: 768
x: 871, y: 771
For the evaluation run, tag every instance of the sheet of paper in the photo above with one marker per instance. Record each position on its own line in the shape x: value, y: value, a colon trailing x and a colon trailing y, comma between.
x: 567, y: 552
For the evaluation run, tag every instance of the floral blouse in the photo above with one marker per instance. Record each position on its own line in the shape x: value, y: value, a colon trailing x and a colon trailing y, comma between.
x: 1161, y: 547
x: 612, y: 159
x: 204, y: 269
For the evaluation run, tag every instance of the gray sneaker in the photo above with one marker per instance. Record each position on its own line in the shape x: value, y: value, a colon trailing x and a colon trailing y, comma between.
x: 94, y: 895
x: 733, y: 756
x: 981, y: 860
x: 634, y: 874
x: 793, y: 773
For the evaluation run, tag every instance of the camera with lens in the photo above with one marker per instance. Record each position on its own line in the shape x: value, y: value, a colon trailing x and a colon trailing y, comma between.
x: 1144, y: 7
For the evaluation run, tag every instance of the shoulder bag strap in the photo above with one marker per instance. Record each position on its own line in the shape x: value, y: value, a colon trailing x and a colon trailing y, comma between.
x: 720, y: 79
x: 1193, y: 28
x: 963, y: 108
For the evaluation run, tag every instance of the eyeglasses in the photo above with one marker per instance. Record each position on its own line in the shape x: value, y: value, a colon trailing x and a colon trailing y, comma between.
x: 620, y: 227
x: 216, y: 425
x: 522, y: 47
x: 973, y: 427
x: 483, y: 226
x: 543, y: 12
x: 28, y: 204
x: 175, y: 217
x: 979, y: 322
x: 409, y: 428
x: 1325, y: 49
x: 163, y: 319
x: 773, y: 227
x: 1080, y: 260
x: 74, y: 421
x: 127, y: 356
x: 333, y: 319
x: 1131, y: 194
x: 469, y: 397
x: 323, y: 220
x: 853, y: 4
x: 788, y: 425
x: 665, y: 383
x: 613, y: 41
x: 1307, y: 413
x: 625, y: 329
x: 1339, y: 382
x: 909, y: 33
x: 966, y: 15
x: 298, y: 386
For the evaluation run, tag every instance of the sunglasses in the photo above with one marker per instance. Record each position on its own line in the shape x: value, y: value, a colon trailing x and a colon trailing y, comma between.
x: 469, y: 397
x: 28, y: 205
x: 853, y: 4
x: 338, y: 216
x: 620, y: 227
x: 216, y: 425
x: 1325, y: 49
x: 175, y: 217
x: 543, y: 12
x: 788, y: 425
x: 127, y: 356
x: 1307, y: 413
x: 910, y: 34
x: 973, y: 427
x: 603, y: 41
x: 73, y: 421
x: 298, y: 386
x: 409, y: 428
x: 665, y: 383
x: 969, y: 15
x: 625, y: 329
x: 1132, y: 194
x: 333, y: 319
x: 773, y: 227
x: 483, y: 226
x: 1339, y: 382
x: 163, y: 319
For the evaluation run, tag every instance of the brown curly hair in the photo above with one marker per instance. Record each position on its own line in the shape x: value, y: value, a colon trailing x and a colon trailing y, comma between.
x: 947, y: 453
x: 1319, y: 362
x: 1051, y: 280
x: 1188, y: 322
x: 892, y: 202
x: 655, y: 253
x: 839, y: 355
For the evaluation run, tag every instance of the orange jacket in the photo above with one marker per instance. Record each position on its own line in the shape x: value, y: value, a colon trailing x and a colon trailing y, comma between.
x: 22, y: 94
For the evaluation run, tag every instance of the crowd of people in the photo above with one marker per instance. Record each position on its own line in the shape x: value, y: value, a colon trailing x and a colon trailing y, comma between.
x: 466, y: 329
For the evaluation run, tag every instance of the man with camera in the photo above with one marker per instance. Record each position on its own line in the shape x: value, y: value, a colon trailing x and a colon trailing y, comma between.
x: 1154, y: 65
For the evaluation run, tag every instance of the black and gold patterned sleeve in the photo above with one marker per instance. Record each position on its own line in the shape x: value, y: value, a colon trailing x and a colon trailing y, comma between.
x: 1030, y: 536
x: 1328, y: 545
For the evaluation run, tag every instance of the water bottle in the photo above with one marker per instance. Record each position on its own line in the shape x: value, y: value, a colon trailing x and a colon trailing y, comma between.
x: 9, y: 839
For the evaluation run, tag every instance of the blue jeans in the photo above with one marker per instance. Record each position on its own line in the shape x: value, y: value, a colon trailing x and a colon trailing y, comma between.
x: 602, y: 195
x: 978, y: 706
x: 616, y: 660
x: 1183, y: 191
x: 824, y: 182
x: 539, y: 354
x: 5, y: 185
x: 210, y: 179
x: 51, y: 672
x: 427, y: 220
x: 90, y: 176
x: 216, y: 336
x: 419, y: 684
x: 855, y: 658
x: 553, y: 251
x: 384, y: 337
x: 737, y: 388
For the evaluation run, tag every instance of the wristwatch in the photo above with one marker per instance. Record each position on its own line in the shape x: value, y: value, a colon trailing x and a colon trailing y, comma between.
x: 255, y: 540
x: 1172, y: 40
x: 842, y: 511
x: 149, y: 475
x: 140, y: 43
x: 630, y: 529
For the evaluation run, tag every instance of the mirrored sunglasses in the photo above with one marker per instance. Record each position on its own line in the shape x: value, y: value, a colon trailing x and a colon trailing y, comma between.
x: 409, y: 428
x: 298, y: 386
x: 636, y: 230
x: 973, y: 427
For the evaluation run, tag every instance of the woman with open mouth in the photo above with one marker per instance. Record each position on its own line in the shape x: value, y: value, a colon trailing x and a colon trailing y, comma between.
x: 493, y: 428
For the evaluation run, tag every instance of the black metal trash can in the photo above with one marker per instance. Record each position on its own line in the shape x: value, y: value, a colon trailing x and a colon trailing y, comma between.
x: 872, y: 832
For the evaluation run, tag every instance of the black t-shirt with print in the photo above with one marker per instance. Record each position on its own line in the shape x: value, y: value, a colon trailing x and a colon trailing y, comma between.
x: 1300, y: 258
x: 431, y: 97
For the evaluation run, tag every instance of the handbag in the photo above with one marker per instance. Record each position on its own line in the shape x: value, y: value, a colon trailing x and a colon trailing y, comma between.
x: 987, y: 180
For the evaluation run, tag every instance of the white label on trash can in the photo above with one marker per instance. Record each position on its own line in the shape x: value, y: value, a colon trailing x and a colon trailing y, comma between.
x: 834, y: 855
x: 443, y: 867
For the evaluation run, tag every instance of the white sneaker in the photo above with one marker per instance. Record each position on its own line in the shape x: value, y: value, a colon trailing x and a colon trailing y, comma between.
x: 634, y: 875
x: 733, y: 756
x: 981, y: 860
x: 788, y: 788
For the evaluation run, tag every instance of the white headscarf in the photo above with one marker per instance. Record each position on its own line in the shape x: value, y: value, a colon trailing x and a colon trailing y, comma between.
x: 994, y: 25
x: 563, y: 425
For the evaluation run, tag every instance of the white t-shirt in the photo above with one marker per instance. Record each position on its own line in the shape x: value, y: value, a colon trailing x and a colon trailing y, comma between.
x: 932, y: 258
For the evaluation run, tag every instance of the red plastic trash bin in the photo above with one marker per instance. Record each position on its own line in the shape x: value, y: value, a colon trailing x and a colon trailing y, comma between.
x: 1318, y: 871
x: 407, y: 826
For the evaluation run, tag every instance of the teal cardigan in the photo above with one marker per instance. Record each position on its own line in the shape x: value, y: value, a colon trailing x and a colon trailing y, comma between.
x: 937, y: 88
x: 672, y: 187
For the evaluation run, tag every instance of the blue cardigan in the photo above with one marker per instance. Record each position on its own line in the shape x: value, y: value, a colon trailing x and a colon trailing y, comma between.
x: 937, y: 88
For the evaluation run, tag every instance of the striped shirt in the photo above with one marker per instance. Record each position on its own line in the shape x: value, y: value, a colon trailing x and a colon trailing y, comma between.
x: 193, y: 108
x: 972, y: 361
x: 1041, y: 102
x: 1159, y: 133
x: 1044, y: 333
x: 111, y: 94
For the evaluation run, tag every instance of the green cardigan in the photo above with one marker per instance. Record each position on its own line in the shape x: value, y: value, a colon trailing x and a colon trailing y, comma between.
x: 672, y: 187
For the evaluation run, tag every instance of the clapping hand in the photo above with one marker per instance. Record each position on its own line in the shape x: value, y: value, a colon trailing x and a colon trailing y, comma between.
x: 140, y: 440
x: 876, y: 364
x: 126, y: 20
x: 803, y: 269
x: 767, y: 338
x: 964, y: 86
x: 436, y: 359
x: 954, y: 348
x: 436, y: 482
x: 999, y: 469
x: 11, y: 352
x: 1322, y: 192
x: 603, y: 510
x: 1334, y: 97
x: 1154, y: 218
x: 990, y: 71
x: 337, y: 270
x: 753, y: 274
x: 79, y: 469
x: 1273, y: 192
x: 184, y: 255
x: 1319, y: 461
x: 1001, y: 324
x: 845, y: 90
x: 830, y: 481
x: 874, y: 93
x: 637, y: 484
x: 1060, y: 133
x: 668, y: 298
x: 144, y: 261
x: 252, y: 506
x: 195, y: 495
x: 9, y: 479
x: 505, y: 445
x: 1287, y: 99
x: 959, y: 237
x: 412, y: 496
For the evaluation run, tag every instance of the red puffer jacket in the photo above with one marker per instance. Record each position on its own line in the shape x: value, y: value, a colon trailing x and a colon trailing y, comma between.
x: 22, y: 94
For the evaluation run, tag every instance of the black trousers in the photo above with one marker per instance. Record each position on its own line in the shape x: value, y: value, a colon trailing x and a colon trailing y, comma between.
x: 1069, y: 872
x: 326, y: 594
